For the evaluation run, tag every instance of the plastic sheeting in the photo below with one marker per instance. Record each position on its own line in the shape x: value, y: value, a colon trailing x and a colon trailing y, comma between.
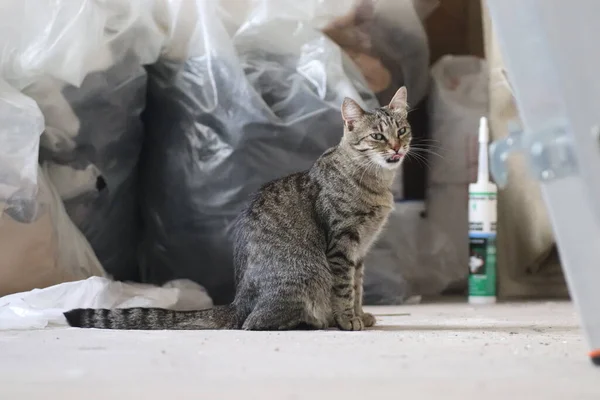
x: 44, y: 308
x: 256, y: 106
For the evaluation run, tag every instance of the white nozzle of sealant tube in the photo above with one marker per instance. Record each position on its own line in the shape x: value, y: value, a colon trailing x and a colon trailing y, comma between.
x: 483, y: 174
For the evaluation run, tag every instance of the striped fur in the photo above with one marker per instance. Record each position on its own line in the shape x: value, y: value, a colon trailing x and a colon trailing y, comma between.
x: 221, y: 317
x: 299, y: 245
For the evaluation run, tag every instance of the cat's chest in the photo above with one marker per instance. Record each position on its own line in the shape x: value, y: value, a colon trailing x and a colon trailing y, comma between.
x: 360, y: 224
x: 373, y: 220
x: 370, y: 224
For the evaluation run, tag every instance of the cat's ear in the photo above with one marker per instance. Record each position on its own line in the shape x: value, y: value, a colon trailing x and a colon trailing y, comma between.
x: 399, y: 101
x: 351, y: 112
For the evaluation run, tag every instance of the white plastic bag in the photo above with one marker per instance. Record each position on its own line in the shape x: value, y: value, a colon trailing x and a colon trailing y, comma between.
x: 459, y: 97
x: 66, y: 40
x: 21, y: 123
x: 458, y: 100
x: 43, y: 308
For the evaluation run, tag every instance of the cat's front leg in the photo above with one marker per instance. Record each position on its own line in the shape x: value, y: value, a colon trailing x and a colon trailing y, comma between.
x: 368, y: 319
x: 343, y: 296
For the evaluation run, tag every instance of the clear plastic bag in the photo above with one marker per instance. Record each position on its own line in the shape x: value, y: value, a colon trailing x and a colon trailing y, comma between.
x: 258, y: 104
x: 66, y: 40
x: 459, y: 98
x: 80, y: 61
x: 91, y: 144
x: 21, y: 125
x: 388, y: 42
x: 39, y: 244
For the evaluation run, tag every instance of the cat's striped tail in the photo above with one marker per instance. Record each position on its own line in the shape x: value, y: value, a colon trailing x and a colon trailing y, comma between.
x: 220, y: 317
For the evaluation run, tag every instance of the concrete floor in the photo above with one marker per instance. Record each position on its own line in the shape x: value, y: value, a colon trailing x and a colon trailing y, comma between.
x: 438, y: 351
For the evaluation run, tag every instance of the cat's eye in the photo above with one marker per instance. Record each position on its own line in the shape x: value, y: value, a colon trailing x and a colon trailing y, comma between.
x: 402, y: 131
x: 378, y: 136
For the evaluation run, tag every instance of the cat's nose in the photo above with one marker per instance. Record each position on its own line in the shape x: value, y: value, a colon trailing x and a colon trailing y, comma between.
x: 397, y: 150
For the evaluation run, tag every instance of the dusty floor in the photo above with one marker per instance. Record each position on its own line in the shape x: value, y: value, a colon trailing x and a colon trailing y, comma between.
x: 438, y: 351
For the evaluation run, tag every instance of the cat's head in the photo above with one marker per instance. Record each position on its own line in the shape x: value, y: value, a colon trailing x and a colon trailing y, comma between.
x: 383, y: 135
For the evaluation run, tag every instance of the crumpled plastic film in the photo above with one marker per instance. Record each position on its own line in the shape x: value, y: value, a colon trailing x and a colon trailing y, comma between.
x: 43, y: 308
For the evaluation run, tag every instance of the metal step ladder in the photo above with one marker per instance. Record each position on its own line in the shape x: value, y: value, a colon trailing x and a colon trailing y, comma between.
x: 552, y: 55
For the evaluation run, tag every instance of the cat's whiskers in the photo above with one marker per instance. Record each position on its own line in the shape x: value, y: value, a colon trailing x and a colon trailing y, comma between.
x: 426, y: 143
x: 426, y: 150
x: 419, y: 158
x: 429, y: 140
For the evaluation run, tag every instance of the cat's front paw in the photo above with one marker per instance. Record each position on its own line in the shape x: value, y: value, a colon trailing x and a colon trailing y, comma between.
x: 349, y: 323
x: 368, y: 319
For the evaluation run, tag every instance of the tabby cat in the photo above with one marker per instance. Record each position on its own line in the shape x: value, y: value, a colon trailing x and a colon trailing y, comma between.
x: 300, y: 243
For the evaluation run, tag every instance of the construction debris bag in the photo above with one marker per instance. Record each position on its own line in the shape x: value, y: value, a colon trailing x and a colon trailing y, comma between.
x: 91, y: 147
x: 82, y: 62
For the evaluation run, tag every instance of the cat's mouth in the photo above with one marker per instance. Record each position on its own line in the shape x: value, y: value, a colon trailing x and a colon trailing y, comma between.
x: 396, y: 158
